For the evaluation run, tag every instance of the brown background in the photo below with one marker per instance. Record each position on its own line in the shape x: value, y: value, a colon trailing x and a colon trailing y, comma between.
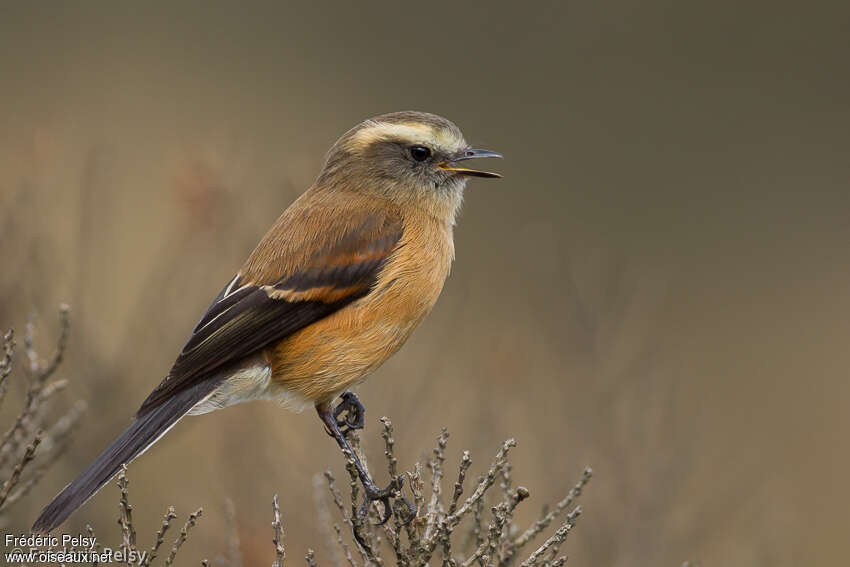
x: 658, y: 288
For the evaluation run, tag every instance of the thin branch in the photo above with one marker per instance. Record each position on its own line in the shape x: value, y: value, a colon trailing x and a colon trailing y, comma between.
x: 19, y: 468
x: 279, y: 551
x: 184, y: 533
x: 234, y: 555
x: 417, y: 488
x: 6, y: 361
x: 555, y: 540
x: 436, y: 466
x: 125, y: 520
x: 448, y: 522
x: 507, y: 548
x: 160, y: 535
x: 61, y: 343
x: 477, y: 520
x: 544, y: 522
x: 38, y: 374
x: 486, y: 483
x: 465, y: 462
x: 389, y: 443
x: 345, y: 549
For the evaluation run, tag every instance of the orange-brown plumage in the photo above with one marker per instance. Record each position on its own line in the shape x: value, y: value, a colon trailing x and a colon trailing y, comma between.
x: 335, y: 287
x: 318, y: 362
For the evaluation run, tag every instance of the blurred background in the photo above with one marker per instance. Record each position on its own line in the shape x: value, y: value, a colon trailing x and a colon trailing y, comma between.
x: 658, y: 288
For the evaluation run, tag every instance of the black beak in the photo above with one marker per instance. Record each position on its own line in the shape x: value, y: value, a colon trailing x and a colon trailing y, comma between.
x: 471, y: 154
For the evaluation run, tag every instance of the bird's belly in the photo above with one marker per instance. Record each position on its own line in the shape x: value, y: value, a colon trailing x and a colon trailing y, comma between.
x: 313, y: 365
x: 320, y: 361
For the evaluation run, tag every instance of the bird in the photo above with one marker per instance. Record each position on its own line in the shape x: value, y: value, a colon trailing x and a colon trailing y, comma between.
x: 334, y: 288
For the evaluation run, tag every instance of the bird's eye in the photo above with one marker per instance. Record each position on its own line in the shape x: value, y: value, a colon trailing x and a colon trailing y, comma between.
x: 420, y: 153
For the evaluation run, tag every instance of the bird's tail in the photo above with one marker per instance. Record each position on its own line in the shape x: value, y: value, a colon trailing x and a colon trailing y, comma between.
x: 144, y: 432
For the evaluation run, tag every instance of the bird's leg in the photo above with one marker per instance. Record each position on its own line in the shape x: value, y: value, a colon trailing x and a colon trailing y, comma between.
x: 355, y: 413
x: 371, y: 490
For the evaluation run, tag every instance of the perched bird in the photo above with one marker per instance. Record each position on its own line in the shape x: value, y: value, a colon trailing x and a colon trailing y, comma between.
x: 333, y: 289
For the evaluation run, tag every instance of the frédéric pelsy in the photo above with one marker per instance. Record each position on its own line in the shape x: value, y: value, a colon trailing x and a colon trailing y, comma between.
x: 66, y: 540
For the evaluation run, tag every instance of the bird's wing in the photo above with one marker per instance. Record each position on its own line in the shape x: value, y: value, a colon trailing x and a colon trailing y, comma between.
x: 259, y: 307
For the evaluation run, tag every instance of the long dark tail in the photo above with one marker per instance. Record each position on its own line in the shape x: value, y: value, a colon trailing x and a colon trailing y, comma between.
x: 144, y: 432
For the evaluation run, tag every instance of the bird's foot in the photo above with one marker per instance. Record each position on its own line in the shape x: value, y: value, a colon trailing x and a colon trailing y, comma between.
x: 385, y: 497
x: 355, y: 413
x: 354, y: 419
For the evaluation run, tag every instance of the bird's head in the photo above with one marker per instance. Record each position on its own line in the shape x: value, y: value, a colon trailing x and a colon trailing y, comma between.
x: 408, y: 157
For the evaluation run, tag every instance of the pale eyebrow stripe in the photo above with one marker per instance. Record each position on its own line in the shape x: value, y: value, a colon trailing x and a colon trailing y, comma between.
x: 413, y: 132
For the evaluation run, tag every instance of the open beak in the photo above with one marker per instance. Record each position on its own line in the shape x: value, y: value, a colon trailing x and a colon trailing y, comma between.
x: 470, y: 154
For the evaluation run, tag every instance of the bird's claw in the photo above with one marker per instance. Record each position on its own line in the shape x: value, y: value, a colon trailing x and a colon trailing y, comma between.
x: 355, y: 412
x: 410, y: 515
x: 393, y: 490
x: 338, y: 427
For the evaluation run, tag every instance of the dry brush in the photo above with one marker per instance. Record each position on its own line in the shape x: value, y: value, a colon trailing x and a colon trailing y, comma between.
x: 464, y: 520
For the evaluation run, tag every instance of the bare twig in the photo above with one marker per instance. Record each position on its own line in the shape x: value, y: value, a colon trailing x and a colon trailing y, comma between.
x: 279, y: 551
x: 486, y: 483
x: 495, y: 545
x: 477, y: 520
x: 125, y: 520
x: 555, y: 540
x: 507, y: 548
x: 324, y: 514
x: 27, y: 457
x: 345, y: 549
x: 436, y: 466
x: 95, y: 546
x: 38, y: 374
x: 234, y: 555
x: 61, y: 343
x: 544, y: 522
x: 160, y: 535
x: 417, y: 488
x: 6, y: 361
x: 389, y: 443
x: 465, y: 462
x: 184, y: 533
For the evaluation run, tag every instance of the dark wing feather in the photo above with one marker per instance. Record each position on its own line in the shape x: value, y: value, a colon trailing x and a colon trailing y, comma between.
x: 246, y: 318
